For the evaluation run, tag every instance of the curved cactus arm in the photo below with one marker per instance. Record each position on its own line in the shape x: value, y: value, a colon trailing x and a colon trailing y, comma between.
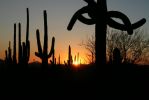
x: 52, y: 48
x: 38, y: 42
x: 90, y: 1
x: 38, y: 55
x: 127, y: 24
x: 78, y: 15
x: 139, y: 23
x: 87, y: 21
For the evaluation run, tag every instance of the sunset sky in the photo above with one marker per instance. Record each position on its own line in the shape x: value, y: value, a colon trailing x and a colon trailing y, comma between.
x: 59, y: 13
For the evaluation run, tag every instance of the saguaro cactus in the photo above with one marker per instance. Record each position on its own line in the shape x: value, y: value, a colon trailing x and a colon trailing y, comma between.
x: 24, y: 48
x: 27, y: 44
x: 69, y: 56
x: 59, y: 60
x: 43, y: 54
x: 8, y: 58
x: 19, y: 45
x: 99, y: 16
x: 14, y: 46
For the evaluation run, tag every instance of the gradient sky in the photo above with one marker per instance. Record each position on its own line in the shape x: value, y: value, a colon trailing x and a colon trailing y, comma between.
x: 59, y: 14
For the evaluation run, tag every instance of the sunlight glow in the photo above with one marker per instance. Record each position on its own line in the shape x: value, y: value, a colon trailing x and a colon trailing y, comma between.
x: 76, y: 63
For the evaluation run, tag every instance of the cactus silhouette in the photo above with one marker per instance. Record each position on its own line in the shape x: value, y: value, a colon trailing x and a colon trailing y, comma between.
x: 43, y: 54
x: 53, y: 58
x: 69, y: 56
x: 24, y: 48
x: 14, y: 46
x: 8, y: 53
x: 6, y: 57
x: 59, y: 60
x: 117, y: 59
x: 53, y: 61
x: 19, y: 45
x: 99, y: 16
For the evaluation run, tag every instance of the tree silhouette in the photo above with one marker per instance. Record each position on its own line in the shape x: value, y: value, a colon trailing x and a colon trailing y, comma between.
x: 99, y: 15
x: 133, y: 48
x: 43, y: 54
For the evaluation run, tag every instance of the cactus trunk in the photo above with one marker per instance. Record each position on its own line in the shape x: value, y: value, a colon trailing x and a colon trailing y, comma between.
x: 100, y: 33
x: 20, y: 46
x: 59, y: 60
x: 27, y: 55
x: 45, y: 50
x: 69, y: 56
x: 14, y: 46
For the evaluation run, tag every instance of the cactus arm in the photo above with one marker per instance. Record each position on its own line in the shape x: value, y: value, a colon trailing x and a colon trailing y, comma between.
x: 38, y: 55
x: 9, y: 50
x: 45, y: 47
x: 52, y: 48
x: 78, y: 15
x: 38, y: 42
x: 90, y: 1
x: 27, y: 25
x: 139, y: 23
x: 28, y: 49
x: 127, y: 24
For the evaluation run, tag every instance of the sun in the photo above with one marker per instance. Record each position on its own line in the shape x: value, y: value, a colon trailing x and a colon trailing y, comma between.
x: 76, y: 63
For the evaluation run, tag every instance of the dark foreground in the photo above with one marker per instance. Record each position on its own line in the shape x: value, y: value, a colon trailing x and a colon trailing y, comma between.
x: 88, y: 80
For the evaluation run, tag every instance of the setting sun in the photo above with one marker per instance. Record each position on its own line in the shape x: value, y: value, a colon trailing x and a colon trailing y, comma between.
x: 76, y: 63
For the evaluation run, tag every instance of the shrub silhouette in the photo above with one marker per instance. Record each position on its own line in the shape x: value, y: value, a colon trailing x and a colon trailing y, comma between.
x: 117, y: 58
x: 99, y: 16
x: 43, y: 53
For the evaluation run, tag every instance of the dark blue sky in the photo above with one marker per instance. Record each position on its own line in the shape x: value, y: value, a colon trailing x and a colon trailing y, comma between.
x: 59, y: 14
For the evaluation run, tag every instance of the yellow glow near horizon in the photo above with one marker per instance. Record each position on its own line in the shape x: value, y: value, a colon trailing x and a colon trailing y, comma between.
x: 76, y: 63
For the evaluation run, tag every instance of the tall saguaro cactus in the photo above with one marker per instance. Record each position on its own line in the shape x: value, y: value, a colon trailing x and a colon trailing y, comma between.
x: 43, y: 54
x: 24, y: 48
x: 27, y: 44
x: 99, y: 16
x: 19, y: 45
x: 14, y: 46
